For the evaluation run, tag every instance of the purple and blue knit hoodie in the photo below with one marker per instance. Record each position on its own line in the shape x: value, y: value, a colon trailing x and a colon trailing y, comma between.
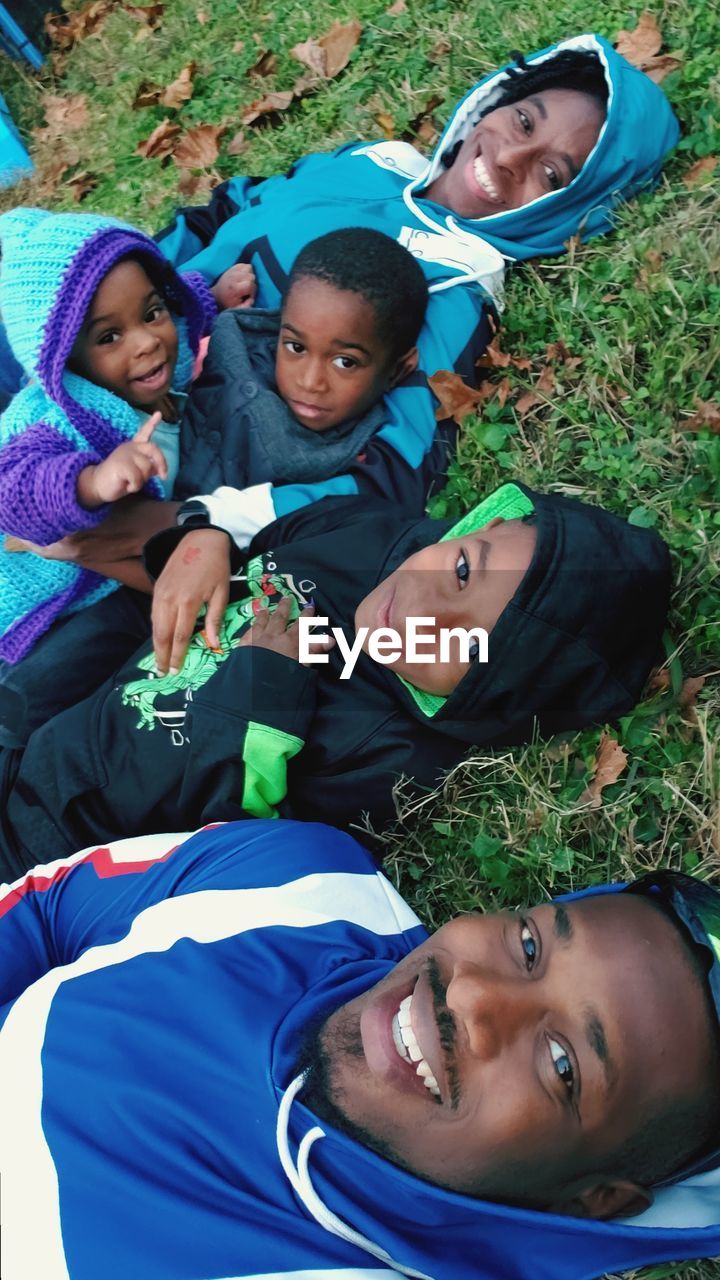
x: 61, y: 423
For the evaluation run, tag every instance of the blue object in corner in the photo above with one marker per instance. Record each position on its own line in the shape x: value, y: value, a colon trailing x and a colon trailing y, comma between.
x: 14, y: 159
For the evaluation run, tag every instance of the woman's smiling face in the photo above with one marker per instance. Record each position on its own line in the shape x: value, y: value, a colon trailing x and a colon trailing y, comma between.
x: 520, y: 152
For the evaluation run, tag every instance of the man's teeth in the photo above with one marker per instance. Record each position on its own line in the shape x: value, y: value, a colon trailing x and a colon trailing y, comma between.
x: 408, y: 1048
x: 484, y: 178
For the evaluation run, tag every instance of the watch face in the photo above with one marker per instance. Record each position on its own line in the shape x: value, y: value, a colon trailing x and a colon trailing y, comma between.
x: 194, y: 511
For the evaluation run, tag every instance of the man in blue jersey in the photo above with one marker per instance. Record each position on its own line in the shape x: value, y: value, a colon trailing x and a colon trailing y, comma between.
x: 240, y: 1054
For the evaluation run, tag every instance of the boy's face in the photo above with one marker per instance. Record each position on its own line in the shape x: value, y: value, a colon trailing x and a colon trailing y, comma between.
x: 128, y: 342
x: 331, y: 363
x: 518, y: 153
x: 547, y: 1037
x: 464, y: 582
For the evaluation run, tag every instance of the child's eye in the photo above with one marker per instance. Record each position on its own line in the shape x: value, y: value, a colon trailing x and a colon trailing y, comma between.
x: 528, y: 944
x: 295, y: 348
x: 345, y: 362
x: 156, y: 310
x: 525, y: 121
x: 563, y: 1065
x: 462, y: 570
x: 552, y: 177
x: 105, y: 339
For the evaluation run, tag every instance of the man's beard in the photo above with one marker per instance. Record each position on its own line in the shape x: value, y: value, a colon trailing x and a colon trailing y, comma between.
x: 323, y: 1049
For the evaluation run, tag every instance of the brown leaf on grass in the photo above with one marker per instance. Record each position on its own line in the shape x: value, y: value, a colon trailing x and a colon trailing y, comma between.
x: 237, y: 144
x: 641, y: 47
x: 67, y: 29
x: 238, y: 46
x: 494, y: 358
x: 699, y: 171
x: 546, y: 381
x: 707, y: 417
x: 527, y: 401
x: 641, y: 43
x: 202, y: 17
x: 423, y: 126
x: 398, y: 7
x: 610, y: 762
x: 148, y: 95
x: 266, y: 64
x: 81, y: 184
x: 151, y: 15
x: 386, y: 123
x: 181, y: 89
x: 199, y: 147
x: 502, y: 391
x: 691, y: 687
x: 456, y: 398
x: 161, y: 142
x: 271, y: 103
x: 658, y: 68
x: 440, y: 50
x: 63, y: 114
x: 197, y: 184
x: 658, y: 681
x: 558, y: 353
x: 327, y: 56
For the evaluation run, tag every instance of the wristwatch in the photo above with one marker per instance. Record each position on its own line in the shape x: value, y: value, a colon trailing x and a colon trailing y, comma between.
x: 193, y: 514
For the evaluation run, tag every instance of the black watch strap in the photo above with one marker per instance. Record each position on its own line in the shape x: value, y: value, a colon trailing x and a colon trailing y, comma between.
x: 193, y: 514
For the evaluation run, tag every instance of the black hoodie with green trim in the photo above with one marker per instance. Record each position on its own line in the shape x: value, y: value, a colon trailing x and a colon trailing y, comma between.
x: 252, y: 733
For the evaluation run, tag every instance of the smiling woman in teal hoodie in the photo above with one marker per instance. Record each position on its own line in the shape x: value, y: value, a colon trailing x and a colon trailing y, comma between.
x: 539, y: 151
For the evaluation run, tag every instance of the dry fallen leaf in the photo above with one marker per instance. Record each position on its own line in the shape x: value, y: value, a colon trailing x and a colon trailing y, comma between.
x: 527, y: 401
x: 266, y: 106
x: 148, y: 95
x: 66, y: 29
x: 238, y: 46
x: 63, y: 114
x: 502, y: 391
x: 456, y: 398
x: 641, y: 48
x: 658, y: 68
x: 81, y: 184
x: 151, y: 15
x: 266, y: 64
x: 440, y: 50
x: 707, y: 417
x: 642, y: 43
x: 386, y: 123
x: 700, y: 170
x: 199, y: 147
x: 237, y: 144
x: 161, y: 142
x: 327, y: 56
x: 202, y: 17
x: 197, y: 184
x: 398, y: 7
x: 610, y: 762
x: 691, y: 687
x: 557, y: 352
x: 494, y: 358
x: 181, y: 89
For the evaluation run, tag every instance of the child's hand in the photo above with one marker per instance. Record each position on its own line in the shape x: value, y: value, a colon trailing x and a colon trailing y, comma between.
x: 270, y: 630
x: 197, y: 573
x: 124, y: 471
x: 236, y: 287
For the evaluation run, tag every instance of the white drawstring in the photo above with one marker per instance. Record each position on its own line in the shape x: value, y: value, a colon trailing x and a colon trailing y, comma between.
x: 300, y: 1181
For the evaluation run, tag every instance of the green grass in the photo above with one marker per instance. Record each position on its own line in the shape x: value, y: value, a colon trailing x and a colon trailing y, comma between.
x: 506, y: 826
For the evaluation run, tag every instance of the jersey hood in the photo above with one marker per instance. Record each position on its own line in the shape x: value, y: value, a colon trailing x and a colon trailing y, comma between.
x: 639, y: 130
x: 577, y: 641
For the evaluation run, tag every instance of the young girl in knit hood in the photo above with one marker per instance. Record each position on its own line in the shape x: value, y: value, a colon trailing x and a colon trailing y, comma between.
x: 107, y: 332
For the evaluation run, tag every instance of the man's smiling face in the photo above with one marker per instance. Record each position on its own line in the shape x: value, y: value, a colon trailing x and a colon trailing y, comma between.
x: 510, y: 1055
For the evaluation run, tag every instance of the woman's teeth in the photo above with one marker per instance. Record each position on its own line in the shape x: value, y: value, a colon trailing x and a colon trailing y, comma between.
x: 408, y: 1048
x: 483, y: 177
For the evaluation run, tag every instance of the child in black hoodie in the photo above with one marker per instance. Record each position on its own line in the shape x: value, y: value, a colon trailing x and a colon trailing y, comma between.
x: 573, y: 598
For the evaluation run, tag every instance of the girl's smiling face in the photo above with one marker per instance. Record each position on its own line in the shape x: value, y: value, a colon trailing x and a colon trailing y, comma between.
x: 128, y: 342
x: 520, y: 152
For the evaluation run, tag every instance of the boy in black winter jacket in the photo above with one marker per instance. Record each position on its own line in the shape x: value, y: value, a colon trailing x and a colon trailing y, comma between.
x: 573, y: 599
